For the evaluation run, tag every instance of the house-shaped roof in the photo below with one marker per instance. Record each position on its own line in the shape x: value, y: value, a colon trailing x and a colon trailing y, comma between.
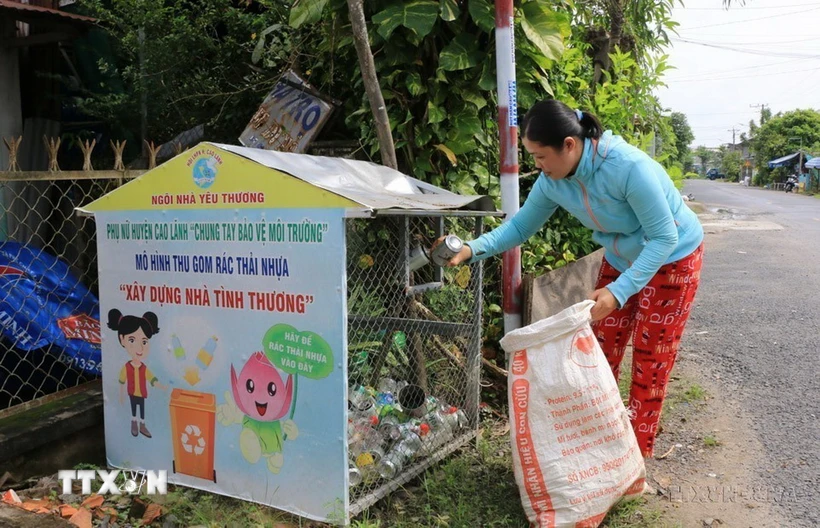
x: 212, y: 175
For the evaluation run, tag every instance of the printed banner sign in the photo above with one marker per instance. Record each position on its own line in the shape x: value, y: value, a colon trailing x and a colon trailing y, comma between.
x: 223, y: 336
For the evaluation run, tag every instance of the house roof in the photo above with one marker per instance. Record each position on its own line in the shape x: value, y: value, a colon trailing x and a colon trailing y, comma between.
x: 216, y: 176
x: 32, y: 13
x: 371, y: 185
x: 785, y: 160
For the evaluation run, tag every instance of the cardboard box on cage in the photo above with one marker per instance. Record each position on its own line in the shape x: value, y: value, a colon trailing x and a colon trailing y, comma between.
x: 223, y: 278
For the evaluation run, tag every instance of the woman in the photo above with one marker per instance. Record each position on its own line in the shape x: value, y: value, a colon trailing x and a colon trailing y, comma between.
x: 653, y: 243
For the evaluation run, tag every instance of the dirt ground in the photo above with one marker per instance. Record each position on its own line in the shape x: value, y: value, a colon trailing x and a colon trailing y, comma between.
x: 704, y: 457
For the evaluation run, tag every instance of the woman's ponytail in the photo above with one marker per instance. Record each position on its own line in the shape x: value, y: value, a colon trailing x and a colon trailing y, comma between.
x: 550, y: 122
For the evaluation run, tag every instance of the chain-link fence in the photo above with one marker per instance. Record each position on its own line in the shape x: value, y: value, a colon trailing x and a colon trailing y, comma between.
x: 48, y: 284
x: 413, y: 352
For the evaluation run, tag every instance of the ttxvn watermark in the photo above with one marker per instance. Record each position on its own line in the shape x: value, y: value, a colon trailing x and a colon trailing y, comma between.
x: 131, y: 482
x: 734, y: 493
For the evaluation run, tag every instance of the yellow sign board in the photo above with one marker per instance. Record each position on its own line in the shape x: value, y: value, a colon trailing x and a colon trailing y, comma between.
x: 208, y: 177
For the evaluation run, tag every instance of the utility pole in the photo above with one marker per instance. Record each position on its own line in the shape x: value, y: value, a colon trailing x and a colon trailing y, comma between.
x: 733, y: 130
x: 762, y: 107
x: 799, y: 163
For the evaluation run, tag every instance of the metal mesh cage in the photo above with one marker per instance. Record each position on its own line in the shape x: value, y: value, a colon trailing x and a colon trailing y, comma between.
x: 413, y: 351
x: 39, y: 215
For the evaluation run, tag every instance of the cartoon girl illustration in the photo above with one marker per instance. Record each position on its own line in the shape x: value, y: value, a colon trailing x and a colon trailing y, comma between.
x: 134, y: 332
x: 260, y: 400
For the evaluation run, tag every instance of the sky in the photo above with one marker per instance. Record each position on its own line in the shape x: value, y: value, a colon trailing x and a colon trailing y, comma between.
x: 774, y: 60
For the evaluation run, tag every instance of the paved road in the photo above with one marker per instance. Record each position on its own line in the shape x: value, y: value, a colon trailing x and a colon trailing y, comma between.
x: 759, y: 301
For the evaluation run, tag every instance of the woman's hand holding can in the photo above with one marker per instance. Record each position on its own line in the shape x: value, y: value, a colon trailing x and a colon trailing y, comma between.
x: 463, y: 256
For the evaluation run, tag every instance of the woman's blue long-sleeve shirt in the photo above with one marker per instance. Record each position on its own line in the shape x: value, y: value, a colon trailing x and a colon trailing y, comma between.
x: 625, y: 197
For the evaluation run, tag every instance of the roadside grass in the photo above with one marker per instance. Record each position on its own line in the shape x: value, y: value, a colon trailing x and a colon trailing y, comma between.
x: 637, y: 513
x: 711, y: 441
x: 694, y: 393
x: 474, y: 487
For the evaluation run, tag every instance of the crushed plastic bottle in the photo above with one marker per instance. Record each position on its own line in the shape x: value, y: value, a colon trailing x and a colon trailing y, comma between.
x: 362, y: 435
x: 368, y: 462
x: 384, y: 399
x: 387, y: 385
x: 386, y: 394
x: 463, y: 420
x: 354, y: 476
x: 389, y: 427
x: 396, y: 459
x: 391, y: 465
x: 450, y: 416
x: 441, y: 432
x: 361, y: 403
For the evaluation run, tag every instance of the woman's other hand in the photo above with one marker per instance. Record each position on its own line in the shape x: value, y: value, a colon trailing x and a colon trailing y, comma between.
x: 605, y: 303
x: 462, y: 256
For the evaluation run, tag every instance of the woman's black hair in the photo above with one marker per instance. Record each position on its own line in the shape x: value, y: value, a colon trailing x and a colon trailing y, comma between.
x: 128, y: 324
x: 550, y: 122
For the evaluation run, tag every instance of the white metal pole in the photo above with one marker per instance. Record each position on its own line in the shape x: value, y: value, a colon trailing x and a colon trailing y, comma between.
x: 508, y: 132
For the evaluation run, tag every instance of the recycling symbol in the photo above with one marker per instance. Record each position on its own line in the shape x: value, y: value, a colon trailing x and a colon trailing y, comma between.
x: 192, y: 440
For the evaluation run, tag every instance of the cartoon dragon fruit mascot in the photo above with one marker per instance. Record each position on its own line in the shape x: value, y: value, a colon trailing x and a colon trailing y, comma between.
x: 259, y: 401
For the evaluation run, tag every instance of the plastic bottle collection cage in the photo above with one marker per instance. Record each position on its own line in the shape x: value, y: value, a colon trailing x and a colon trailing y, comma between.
x: 413, y: 350
x: 393, y: 424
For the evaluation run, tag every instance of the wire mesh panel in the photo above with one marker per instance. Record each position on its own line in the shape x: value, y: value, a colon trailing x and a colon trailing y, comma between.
x: 413, y: 351
x: 48, y: 286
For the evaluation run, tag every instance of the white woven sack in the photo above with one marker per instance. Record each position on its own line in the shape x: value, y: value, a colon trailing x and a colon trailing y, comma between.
x: 574, y: 452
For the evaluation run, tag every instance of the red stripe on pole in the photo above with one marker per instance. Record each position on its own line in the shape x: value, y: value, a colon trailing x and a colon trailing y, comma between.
x: 503, y: 12
x: 511, y: 281
x: 508, y: 137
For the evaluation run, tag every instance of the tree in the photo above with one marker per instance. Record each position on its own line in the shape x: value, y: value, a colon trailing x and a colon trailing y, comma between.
x: 772, y: 139
x: 183, y: 66
x: 630, y: 26
x: 765, y: 115
x: 718, y: 156
x: 688, y: 162
x: 705, y: 156
x: 731, y: 164
x: 683, y: 135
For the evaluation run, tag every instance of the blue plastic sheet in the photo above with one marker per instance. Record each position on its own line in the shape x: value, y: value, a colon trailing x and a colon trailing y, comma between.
x: 44, y: 306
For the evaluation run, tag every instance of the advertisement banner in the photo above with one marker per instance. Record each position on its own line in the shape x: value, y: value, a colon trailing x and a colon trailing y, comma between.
x: 223, y: 338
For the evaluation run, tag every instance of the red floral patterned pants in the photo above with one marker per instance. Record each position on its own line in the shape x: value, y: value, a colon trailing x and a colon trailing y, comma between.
x: 654, y: 318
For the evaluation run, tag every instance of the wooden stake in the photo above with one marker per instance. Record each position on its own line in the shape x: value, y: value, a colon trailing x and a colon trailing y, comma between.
x: 87, y: 147
x: 417, y: 356
x: 494, y: 370
x: 53, y: 146
x: 367, y: 66
x: 13, y: 145
x: 152, y: 154
x: 118, y: 147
